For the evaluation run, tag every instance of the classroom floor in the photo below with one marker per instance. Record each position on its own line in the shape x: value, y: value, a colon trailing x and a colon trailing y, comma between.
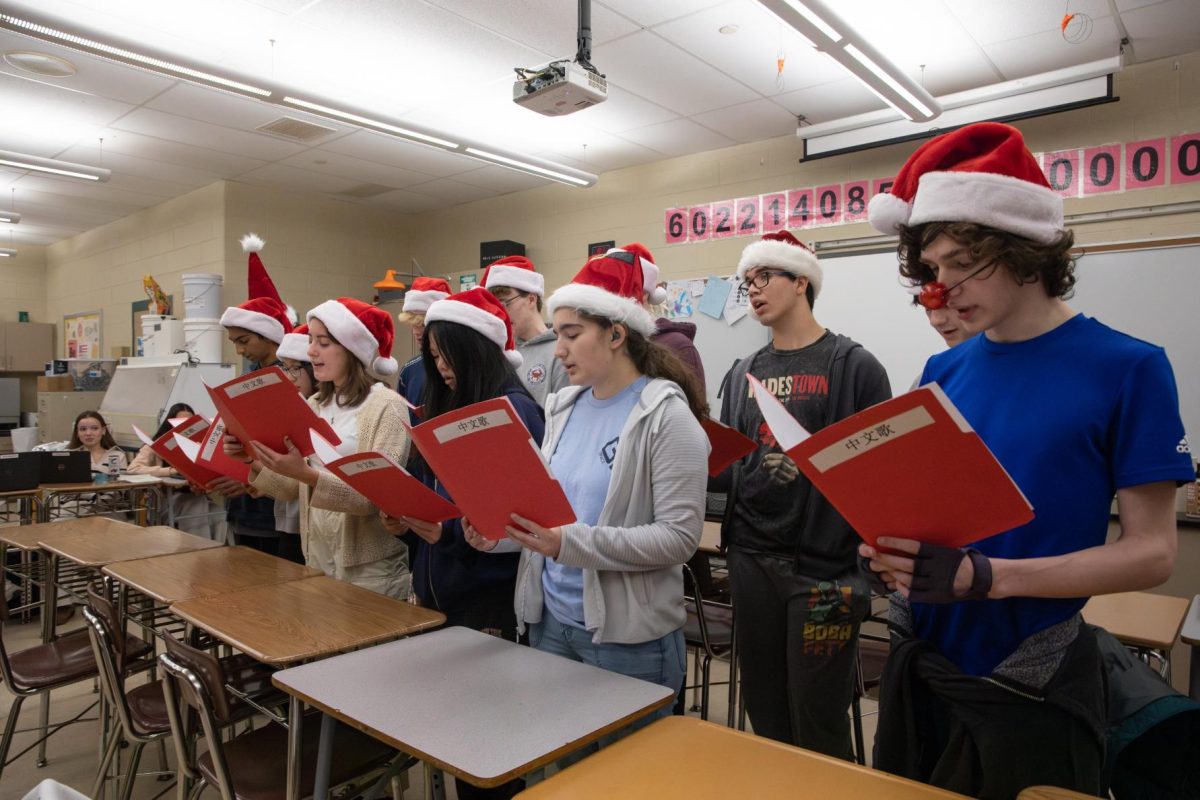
x: 72, y: 752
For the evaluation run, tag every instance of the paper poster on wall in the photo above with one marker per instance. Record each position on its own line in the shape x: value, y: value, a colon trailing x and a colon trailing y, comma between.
x: 716, y: 290
x: 466, y: 282
x: 679, y: 300
x: 696, y: 287
x: 81, y: 335
x: 737, y: 304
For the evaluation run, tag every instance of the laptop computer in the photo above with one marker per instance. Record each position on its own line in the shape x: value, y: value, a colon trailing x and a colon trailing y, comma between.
x: 66, y: 466
x: 20, y: 471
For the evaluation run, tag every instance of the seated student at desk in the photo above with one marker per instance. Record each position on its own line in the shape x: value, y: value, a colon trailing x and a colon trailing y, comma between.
x: 91, y: 434
x: 350, y: 344
x: 626, y: 444
x: 147, y: 462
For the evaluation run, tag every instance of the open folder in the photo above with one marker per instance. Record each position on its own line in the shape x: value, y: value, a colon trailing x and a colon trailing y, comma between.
x: 484, y: 456
x: 265, y: 407
x: 726, y: 445
x: 385, y: 483
x: 910, y: 467
x: 209, y: 453
x: 167, y: 448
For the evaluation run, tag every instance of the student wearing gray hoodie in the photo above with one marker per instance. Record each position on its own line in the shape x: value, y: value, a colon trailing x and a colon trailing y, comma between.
x: 625, y: 442
x: 517, y: 285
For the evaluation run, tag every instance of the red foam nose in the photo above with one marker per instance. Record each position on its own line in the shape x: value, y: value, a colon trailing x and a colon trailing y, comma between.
x: 933, y: 296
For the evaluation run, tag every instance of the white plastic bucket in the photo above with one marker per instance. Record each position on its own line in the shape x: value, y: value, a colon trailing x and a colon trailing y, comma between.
x: 161, y: 336
x: 203, y: 339
x: 24, y: 439
x: 201, y: 295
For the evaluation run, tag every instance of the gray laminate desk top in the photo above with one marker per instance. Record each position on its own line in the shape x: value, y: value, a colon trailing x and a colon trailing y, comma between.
x: 477, y: 706
x: 1191, y: 623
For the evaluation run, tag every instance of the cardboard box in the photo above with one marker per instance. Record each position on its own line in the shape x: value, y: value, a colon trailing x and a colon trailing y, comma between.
x: 56, y: 383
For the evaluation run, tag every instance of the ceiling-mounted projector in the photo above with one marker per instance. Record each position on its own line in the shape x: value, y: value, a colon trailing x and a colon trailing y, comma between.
x: 564, y: 87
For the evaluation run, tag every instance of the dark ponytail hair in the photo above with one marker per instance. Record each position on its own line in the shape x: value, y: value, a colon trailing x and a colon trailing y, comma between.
x: 172, y: 412
x: 655, y: 361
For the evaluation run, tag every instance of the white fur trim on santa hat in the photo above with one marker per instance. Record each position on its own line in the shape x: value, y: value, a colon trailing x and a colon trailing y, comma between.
x: 353, y: 335
x: 265, y: 326
x: 483, y: 322
x: 419, y: 302
x: 525, y: 280
x: 886, y: 212
x: 998, y: 201
x: 252, y: 243
x: 790, y: 258
x: 601, y: 303
x: 295, y: 347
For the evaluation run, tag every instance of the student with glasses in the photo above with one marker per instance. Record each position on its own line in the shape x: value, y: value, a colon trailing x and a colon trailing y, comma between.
x: 791, y: 556
x: 516, y: 284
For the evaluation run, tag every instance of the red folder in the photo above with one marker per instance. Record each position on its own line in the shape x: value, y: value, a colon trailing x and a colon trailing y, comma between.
x: 386, y: 484
x: 212, y: 454
x: 910, y: 467
x: 167, y: 448
x: 265, y: 407
x: 727, y: 445
x: 483, y: 454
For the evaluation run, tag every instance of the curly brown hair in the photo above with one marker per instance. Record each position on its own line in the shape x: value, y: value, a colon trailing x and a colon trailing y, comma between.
x: 1027, y: 261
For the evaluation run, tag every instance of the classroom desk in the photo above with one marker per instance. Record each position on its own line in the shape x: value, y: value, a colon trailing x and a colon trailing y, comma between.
x: 477, y: 706
x: 26, y: 540
x: 710, y: 538
x: 310, y: 618
x: 681, y: 758
x: 52, y: 496
x: 26, y: 500
x: 1147, y: 623
x: 1191, y: 635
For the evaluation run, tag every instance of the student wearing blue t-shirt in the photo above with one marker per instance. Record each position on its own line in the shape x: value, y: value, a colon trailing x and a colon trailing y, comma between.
x: 626, y: 444
x: 422, y: 294
x: 993, y: 683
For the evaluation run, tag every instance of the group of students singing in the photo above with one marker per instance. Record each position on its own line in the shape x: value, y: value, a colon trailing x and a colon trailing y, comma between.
x: 987, y: 639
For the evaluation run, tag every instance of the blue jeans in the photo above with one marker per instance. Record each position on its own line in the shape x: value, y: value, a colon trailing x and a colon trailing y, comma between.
x: 662, y: 661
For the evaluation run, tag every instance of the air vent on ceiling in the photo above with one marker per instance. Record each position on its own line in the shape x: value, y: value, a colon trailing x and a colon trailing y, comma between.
x: 295, y: 129
x: 363, y: 191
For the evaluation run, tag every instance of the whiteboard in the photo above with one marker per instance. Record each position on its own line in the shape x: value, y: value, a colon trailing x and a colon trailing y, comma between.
x: 721, y: 345
x: 1153, y: 294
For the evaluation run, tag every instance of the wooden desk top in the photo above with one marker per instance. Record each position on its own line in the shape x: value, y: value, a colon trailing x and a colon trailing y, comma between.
x: 1138, y: 618
x: 200, y: 573
x: 477, y: 706
x: 710, y: 538
x: 29, y: 537
x: 284, y: 623
x: 92, y: 549
x: 1052, y: 793
x: 1191, y: 625
x: 680, y: 758
x: 111, y: 486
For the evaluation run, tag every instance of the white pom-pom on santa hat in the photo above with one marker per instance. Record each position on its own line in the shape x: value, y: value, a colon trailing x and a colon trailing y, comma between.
x: 479, y: 310
x: 252, y: 243
x: 366, y: 331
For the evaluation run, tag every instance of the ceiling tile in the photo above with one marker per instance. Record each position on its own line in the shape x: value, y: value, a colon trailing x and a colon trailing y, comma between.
x: 452, y: 191
x: 600, y: 152
x: 123, y: 164
x: 1042, y: 52
x: 677, y: 137
x: 408, y: 202
x: 283, y: 176
x: 990, y: 22
x: 547, y: 27
x: 154, y: 148
x: 621, y: 111
x: 94, y: 76
x: 149, y: 122
x: 652, y: 12
x: 387, y: 150
x: 750, y: 122
x: 650, y: 67
x: 501, y: 179
x: 61, y: 119
x: 832, y: 100
x: 242, y: 113
x: 355, y: 169
x: 1165, y: 29
x: 94, y: 192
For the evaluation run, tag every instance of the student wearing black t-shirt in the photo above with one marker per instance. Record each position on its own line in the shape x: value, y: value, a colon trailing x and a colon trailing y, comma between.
x: 792, y: 562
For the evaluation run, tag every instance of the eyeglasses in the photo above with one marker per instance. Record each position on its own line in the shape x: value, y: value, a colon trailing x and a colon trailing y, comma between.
x: 508, y: 298
x: 761, y: 280
x: 296, y: 370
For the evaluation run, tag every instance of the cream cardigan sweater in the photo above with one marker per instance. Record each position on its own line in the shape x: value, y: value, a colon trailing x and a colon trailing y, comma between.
x: 364, y: 539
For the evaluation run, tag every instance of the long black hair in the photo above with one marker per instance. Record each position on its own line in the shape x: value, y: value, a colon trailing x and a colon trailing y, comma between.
x: 481, y: 372
x: 172, y: 412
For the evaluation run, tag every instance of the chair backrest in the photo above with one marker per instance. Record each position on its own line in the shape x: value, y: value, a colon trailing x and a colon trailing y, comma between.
x: 205, y: 690
x: 182, y: 679
x: 104, y: 650
x: 100, y: 604
x: 701, y: 605
x: 5, y: 669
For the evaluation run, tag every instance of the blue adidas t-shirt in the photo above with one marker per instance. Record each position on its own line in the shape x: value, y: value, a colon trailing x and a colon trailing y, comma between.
x: 1073, y: 415
x: 411, y: 385
x: 583, y: 461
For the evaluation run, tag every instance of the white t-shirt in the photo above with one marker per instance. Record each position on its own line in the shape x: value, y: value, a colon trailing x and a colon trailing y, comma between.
x: 344, y: 421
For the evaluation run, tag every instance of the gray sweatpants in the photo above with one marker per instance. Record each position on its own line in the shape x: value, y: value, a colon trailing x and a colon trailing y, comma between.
x: 797, y: 639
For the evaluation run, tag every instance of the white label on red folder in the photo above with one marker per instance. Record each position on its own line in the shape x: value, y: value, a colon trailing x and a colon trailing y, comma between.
x: 249, y: 386
x: 870, y: 438
x: 192, y: 429
x: 366, y: 465
x: 465, y: 427
x: 215, y: 434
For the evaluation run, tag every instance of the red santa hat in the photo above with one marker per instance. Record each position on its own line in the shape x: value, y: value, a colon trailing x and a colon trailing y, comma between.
x: 782, y: 250
x: 423, y: 293
x: 363, y: 329
x: 515, y: 272
x: 981, y: 173
x: 608, y: 286
x: 264, y: 312
x: 479, y: 310
x: 295, y: 345
x: 642, y: 259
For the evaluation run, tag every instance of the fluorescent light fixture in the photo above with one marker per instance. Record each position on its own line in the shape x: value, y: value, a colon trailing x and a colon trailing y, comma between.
x: 52, y: 166
x: 1049, y: 92
x: 145, y: 61
x: 137, y: 55
x: 7, y: 252
x: 557, y: 173
x: 10, y: 216
x: 837, y: 39
x: 367, y: 122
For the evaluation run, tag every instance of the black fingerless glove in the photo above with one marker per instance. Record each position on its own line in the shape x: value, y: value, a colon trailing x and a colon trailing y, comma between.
x: 934, y: 568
